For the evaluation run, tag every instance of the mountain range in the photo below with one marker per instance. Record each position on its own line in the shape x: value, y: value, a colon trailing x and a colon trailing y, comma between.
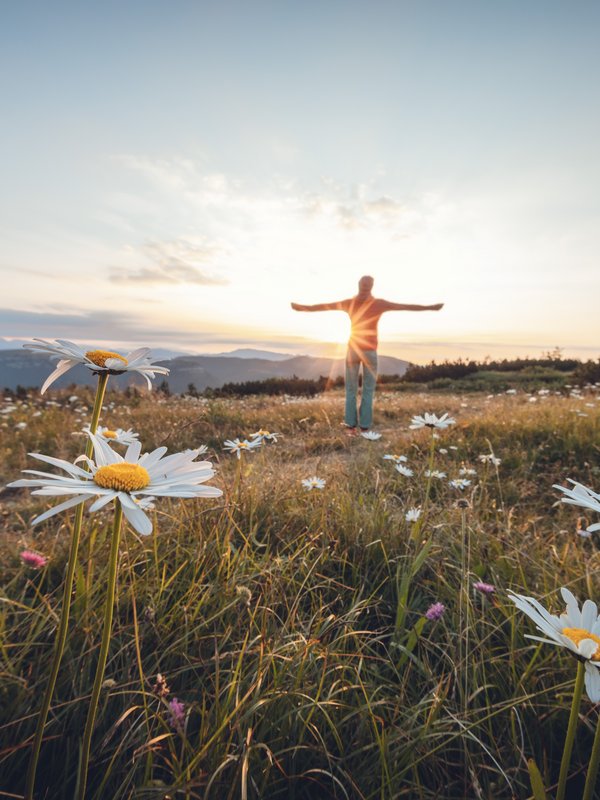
x: 29, y: 369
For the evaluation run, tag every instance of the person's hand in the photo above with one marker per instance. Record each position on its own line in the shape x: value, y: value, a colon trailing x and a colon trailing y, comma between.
x: 437, y: 306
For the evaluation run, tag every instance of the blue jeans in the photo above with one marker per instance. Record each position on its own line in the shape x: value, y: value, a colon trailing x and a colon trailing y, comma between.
x: 368, y: 358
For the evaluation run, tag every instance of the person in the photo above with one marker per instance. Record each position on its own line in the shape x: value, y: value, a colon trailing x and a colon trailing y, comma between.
x: 365, y: 312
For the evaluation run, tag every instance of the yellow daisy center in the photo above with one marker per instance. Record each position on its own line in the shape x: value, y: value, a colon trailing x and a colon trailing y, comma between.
x: 109, y: 434
x: 123, y: 477
x: 99, y: 357
x: 577, y: 635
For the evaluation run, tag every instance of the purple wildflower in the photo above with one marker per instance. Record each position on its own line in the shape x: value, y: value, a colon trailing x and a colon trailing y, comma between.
x: 177, y: 711
x: 32, y: 559
x: 435, y: 611
x: 484, y: 588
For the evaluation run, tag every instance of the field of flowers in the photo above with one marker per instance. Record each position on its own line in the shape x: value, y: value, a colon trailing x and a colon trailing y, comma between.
x: 337, y: 624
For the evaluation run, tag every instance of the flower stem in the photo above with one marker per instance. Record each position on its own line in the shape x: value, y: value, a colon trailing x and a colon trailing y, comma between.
x: 590, y: 781
x: 61, y: 634
x: 106, y: 631
x: 416, y: 530
x: 570, y: 738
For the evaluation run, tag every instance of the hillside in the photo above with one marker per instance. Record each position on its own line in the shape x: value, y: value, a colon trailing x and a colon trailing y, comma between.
x: 23, y: 368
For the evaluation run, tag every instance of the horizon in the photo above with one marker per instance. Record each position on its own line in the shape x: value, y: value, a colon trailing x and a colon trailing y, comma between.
x: 319, y: 350
x: 186, y: 189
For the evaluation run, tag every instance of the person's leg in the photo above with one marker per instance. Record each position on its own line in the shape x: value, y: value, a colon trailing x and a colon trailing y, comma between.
x: 352, y: 365
x: 368, y: 388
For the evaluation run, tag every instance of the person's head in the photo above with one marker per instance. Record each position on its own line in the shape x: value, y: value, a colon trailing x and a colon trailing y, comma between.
x: 365, y: 284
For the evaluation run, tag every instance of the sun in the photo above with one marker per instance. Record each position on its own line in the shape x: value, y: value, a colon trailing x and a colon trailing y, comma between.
x: 330, y: 327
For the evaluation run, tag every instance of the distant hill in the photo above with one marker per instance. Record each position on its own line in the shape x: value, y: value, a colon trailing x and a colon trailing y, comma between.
x: 249, y: 352
x: 24, y: 368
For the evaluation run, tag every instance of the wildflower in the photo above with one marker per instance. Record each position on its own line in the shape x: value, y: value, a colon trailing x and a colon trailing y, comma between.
x: 236, y: 446
x: 431, y: 421
x: 443, y: 451
x: 580, y: 495
x: 313, y: 483
x: 32, y: 559
x: 511, y: 391
x: 20, y: 426
x: 585, y: 534
x: 109, y: 683
x: 118, y: 435
x: 576, y: 630
x: 435, y: 612
x: 177, y: 713
x: 371, y: 436
x: 264, y: 435
x: 396, y: 459
x: 161, y: 687
x: 406, y: 471
x: 413, y: 514
x: 130, y: 479
x: 434, y: 473
x: 490, y: 458
x: 244, y: 593
x: 459, y: 483
x: 70, y: 354
x: 467, y: 471
x: 484, y: 588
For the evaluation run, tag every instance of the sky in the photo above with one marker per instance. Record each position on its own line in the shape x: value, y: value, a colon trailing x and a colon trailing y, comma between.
x: 174, y: 173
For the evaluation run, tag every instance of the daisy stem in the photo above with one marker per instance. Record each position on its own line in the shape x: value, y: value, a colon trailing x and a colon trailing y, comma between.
x: 464, y: 606
x: 104, y: 645
x: 570, y: 738
x: 138, y: 654
x: 61, y: 634
x: 590, y: 781
x: 414, y: 535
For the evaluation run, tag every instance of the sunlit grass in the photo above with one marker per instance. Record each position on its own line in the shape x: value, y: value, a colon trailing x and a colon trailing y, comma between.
x: 291, y: 623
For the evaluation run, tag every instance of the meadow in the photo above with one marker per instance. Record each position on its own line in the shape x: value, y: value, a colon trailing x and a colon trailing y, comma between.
x: 280, y: 642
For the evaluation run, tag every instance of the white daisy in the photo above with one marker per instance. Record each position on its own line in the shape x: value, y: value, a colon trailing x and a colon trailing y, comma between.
x: 396, y: 459
x: 264, y: 435
x: 406, y: 471
x: 116, y: 435
x: 431, y: 421
x: 313, y: 483
x: 135, y: 480
x: 467, y: 471
x: 434, y: 473
x: 576, y: 630
x: 370, y: 435
x: 490, y: 458
x: 413, y: 514
x: 459, y: 483
x: 70, y: 354
x: 236, y: 446
x: 580, y: 495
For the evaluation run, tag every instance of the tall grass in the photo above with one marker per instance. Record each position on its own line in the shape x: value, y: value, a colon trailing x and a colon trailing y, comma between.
x: 292, y: 624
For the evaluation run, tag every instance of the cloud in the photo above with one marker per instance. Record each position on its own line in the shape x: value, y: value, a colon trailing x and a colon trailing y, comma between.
x: 175, y: 261
x: 94, y: 325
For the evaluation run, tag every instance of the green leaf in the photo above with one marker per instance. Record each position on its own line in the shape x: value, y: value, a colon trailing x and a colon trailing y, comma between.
x: 537, y: 784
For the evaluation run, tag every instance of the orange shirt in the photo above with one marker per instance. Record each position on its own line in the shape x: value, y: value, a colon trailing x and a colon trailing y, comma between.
x: 364, y: 312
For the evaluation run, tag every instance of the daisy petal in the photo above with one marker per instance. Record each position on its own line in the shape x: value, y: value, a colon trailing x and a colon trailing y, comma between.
x: 73, y: 501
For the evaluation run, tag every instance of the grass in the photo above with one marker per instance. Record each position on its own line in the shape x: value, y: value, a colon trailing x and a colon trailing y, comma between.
x: 291, y: 624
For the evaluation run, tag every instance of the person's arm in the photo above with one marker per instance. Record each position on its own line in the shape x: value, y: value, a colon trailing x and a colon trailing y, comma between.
x: 408, y: 307
x: 338, y: 306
